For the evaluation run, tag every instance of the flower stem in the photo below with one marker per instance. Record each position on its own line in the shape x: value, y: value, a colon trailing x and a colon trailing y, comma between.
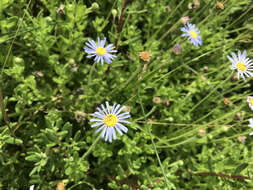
x: 91, y: 147
x: 153, y: 143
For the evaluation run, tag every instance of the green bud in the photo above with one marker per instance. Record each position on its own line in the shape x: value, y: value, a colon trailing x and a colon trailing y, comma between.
x: 94, y: 6
x: 18, y: 60
x: 114, y: 13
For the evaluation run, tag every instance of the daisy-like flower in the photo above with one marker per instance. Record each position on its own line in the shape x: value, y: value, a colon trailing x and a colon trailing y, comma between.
x: 251, y: 125
x: 99, y: 50
x: 109, y: 120
x: 192, y: 32
x: 242, y: 64
x: 250, y: 101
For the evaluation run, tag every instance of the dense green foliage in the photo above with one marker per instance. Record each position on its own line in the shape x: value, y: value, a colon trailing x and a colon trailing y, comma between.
x: 178, y: 112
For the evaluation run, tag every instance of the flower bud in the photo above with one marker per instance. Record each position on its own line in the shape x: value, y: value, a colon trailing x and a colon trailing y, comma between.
x: 114, y: 13
x: 94, y: 6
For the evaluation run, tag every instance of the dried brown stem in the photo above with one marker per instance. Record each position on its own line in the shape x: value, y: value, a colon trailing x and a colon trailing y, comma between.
x: 5, y: 116
x: 118, y: 29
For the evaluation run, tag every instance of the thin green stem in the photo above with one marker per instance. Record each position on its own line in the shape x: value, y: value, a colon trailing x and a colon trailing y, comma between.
x: 91, y: 147
x: 9, y: 51
x: 91, y: 72
x: 153, y: 143
x: 214, y: 89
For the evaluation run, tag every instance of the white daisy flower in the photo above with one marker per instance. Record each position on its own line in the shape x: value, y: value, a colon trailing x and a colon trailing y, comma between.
x: 100, y: 52
x: 242, y: 64
x: 250, y: 101
x: 251, y: 125
x: 109, y: 120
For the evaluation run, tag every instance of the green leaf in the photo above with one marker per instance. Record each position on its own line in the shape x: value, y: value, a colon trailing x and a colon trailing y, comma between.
x: 240, y: 168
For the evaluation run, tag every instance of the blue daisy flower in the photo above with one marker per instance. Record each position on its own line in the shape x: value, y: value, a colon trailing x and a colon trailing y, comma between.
x: 109, y: 120
x: 243, y: 64
x: 100, y: 52
x: 192, y: 32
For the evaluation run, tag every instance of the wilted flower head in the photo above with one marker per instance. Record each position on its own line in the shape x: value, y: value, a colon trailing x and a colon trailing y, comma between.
x: 166, y: 102
x: 145, y: 56
x: 177, y: 49
x: 100, y: 52
x: 80, y: 116
x: 202, y: 132
x: 205, y: 68
x: 157, y: 100
x: 226, y: 101
x: 242, y: 64
x: 251, y: 125
x: 241, y: 139
x: 194, y: 5
x: 192, y: 32
x: 127, y: 109
x: 168, y: 8
x: 60, y: 9
x: 220, y: 5
x: 250, y: 101
x: 109, y: 120
x: 239, y: 116
x: 60, y: 186
x: 185, y: 19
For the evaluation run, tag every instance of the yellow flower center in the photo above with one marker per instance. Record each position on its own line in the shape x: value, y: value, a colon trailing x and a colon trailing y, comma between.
x: 101, y: 51
x: 241, y: 66
x: 193, y: 34
x: 251, y: 101
x: 110, y: 120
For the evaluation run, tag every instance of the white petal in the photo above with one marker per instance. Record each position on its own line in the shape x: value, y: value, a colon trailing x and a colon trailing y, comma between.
x: 122, y: 127
x: 107, y: 134
x: 108, y: 107
x: 110, y: 134
x: 98, y: 114
x: 235, y: 57
x: 103, y: 42
x: 123, y: 114
x: 112, y: 111
x: 119, y: 130
x: 115, y: 109
x: 230, y: 59
x: 244, y: 54
x: 103, y: 107
x: 114, y: 134
x: 123, y: 121
x: 97, y: 124
x: 103, y: 133
x: 100, y: 128
x: 96, y: 120
x: 101, y: 111
x: 120, y: 110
